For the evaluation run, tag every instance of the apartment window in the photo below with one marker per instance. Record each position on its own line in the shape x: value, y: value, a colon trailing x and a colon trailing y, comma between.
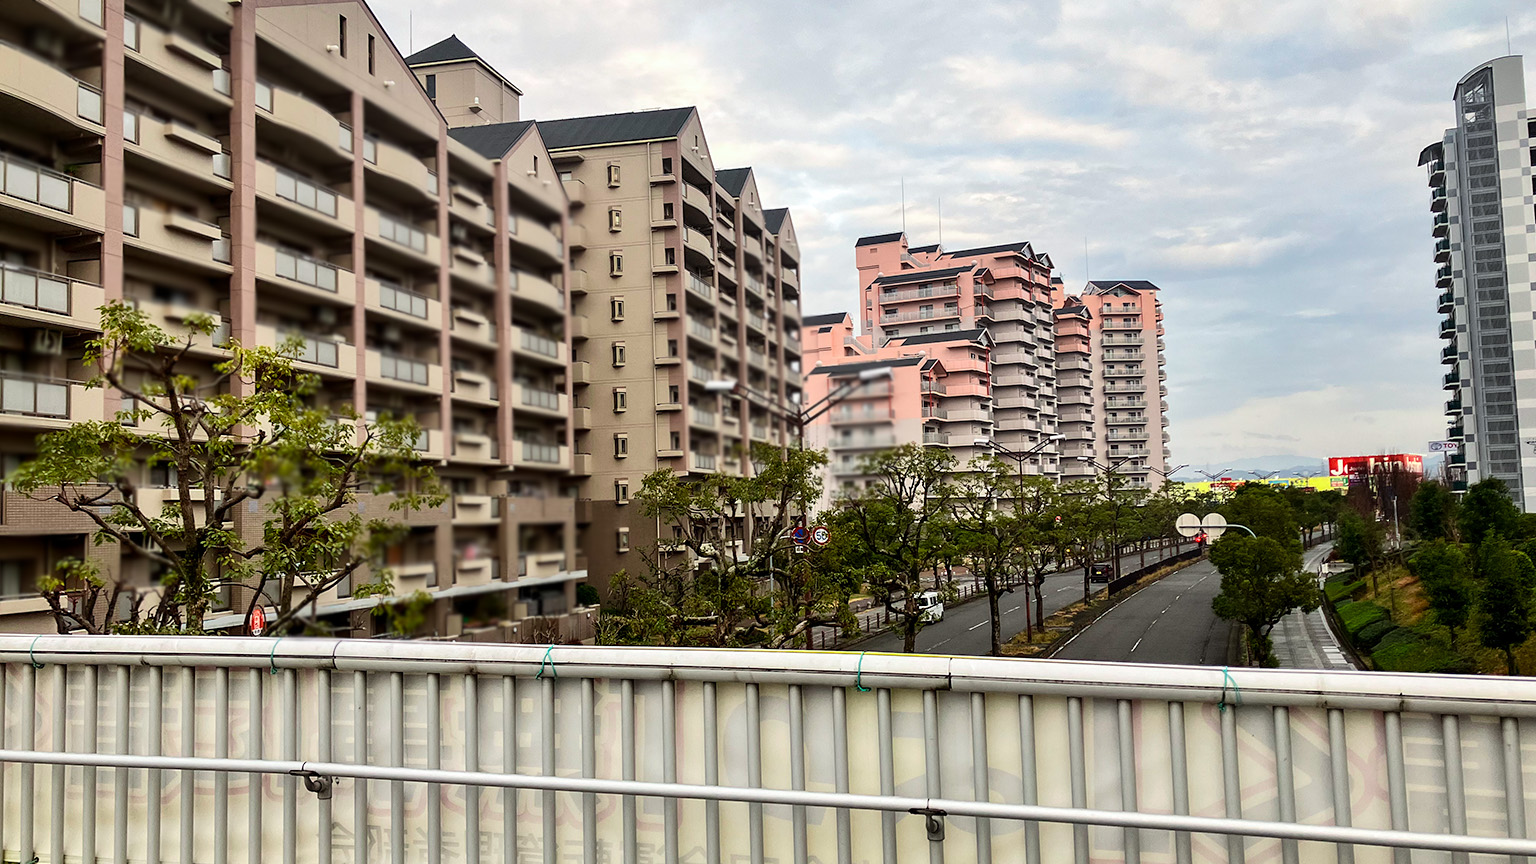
x: 432, y: 87
x: 666, y: 164
x: 341, y: 37
x: 676, y: 440
x: 615, y: 219
x: 672, y: 393
x: 613, y: 175
x: 620, y: 400
x: 618, y: 354
x: 615, y: 263
x: 370, y: 53
x: 623, y: 539
x: 620, y: 445
x: 16, y: 579
x: 616, y: 308
x: 666, y: 210
x: 670, y: 256
x: 671, y: 347
x: 621, y: 491
x: 535, y: 166
x: 924, y: 329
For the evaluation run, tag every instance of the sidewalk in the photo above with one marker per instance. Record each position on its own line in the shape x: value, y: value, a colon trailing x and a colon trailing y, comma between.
x: 1303, y: 640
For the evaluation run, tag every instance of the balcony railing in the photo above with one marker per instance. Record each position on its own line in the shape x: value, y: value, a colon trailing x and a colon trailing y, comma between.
x: 306, y: 270
x: 702, y: 329
x: 699, y: 372
x: 540, y: 344
x: 397, y: 368
x: 546, y: 453
x: 319, y: 351
x: 702, y: 417
x: 700, y: 287
x: 33, y: 289
x: 893, y: 295
x: 402, y: 300
x: 33, y: 397
x: 534, y: 397
x: 36, y: 183
x: 306, y: 193
x: 922, y: 315
x: 397, y: 230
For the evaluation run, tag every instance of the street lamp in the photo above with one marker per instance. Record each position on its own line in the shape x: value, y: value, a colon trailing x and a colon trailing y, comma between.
x: 1018, y: 508
x: 1213, y: 477
x: 1168, y: 475
x: 1264, y: 475
x: 815, y: 409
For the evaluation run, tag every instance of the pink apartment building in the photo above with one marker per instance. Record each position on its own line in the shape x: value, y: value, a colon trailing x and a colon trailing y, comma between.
x: 1110, y: 379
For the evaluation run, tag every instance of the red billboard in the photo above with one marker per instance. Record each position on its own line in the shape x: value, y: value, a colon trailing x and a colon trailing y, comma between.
x: 1364, y: 466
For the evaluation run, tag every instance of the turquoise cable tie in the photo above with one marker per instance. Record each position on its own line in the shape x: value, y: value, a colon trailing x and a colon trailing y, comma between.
x: 272, y: 658
x: 1237, y: 693
x: 31, y: 652
x: 550, y: 661
x: 858, y: 675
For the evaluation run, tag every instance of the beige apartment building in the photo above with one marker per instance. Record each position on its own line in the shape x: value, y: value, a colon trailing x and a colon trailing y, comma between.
x: 1111, y: 381
x: 280, y: 165
x: 685, y: 317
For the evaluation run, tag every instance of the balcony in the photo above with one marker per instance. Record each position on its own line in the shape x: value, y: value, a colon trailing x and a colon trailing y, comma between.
x: 401, y: 304
x: 60, y: 199
x: 1123, y: 372
x: 1440, y: 225
x: 1445, y: 302
x: 398, y: 164
x: 401, y: 235
x: 40, y: 297
x: 1443, y: 276
x: 704, y: 331
x: 701, y: 417
x: 581, y: 419
x: 921, y: 315
x: 936, y: 438
x: 47, y: 403
x: 698, y: 241
x: 170, y: 317
x: 540, y: 565
x: 1453, y: 406
x: 471, y: 326
x: 175, y: 144
x: 1125, y: 403
x: 470, y: 446
x: 1443, y: 250
x: 298, y: 114
x: 529, y: 288
x: 526, y: 454
x: 1124, y: 354
x: 429, y: 444
x: 1451, y: 381
x: 1437, y: 198
x: 575, y: 192
x: 471, y: 266
x: 546, y: 403
x: 179, y: 58
x: 1126, y: 435
x: 537, y: 346
x: 891, y: 295
x: 407, y: 373
x: 699, y: 372
x: 1448, y: 354
x: 581, y: 372
x: 1448, y: 325
x: 581, y: 465
x: 1128, y: 451
x: 533, y: 238
x: 303, y: 197
x: 309, y: 276
x: 1126, y: 387
x: 470, y: 385
x: 466, y: 203
x: 700, y: 287
x: 176, y: 234
x: 34, y: 81
x: 322, y: 354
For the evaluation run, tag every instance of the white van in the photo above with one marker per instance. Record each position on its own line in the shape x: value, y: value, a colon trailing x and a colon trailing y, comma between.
x: 930, y: 608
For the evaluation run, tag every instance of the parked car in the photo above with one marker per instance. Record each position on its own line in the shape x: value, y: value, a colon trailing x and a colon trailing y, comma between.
x: 1103, y: 571
x: 930, y: 607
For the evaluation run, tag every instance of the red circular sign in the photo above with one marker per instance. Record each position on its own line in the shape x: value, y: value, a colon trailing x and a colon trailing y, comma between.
x: 258, y: 621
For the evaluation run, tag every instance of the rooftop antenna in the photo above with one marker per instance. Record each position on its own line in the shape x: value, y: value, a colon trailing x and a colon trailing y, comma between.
x: 903, y: 205
x: 1086, y: 276
x: 941, y: 220
x: 1507, y: 49
x: 410, y: 31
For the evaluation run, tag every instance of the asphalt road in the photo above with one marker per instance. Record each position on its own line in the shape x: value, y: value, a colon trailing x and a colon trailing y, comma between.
x: 1169, y: 621
x: 966, y: 629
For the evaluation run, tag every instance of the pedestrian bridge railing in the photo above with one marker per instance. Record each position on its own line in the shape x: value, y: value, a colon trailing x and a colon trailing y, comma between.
x: 234, y: 751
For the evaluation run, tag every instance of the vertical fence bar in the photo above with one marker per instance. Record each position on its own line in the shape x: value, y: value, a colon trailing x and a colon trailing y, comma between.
x: 1397, y: 780
x: 627, y: 758
x: 397, y: 759
x: 360, y: 739
x: 290, y: 745
x: 1079, y: 770
x: 1514, y: 782
x: 840, y: 772
x: 153, y: 740
x: 547, y: 764
x: 754, y: 773
x: 5, y: 676
x: 122, y: 699
x: 88, y: 791
x: 887, y: 772
x: 434, y: 792
x: 1286, y: 780
x: 668, y: 768
x: 325, y: 746
x: 253, y: 750
x: 931, y: 764
x: 188, y: 778
x: 1127, y: 748
x: 471, y: 763
x: 221, y: 778
x: 27, y: 793
x: 980, y: 771
x: 509, y: 765
x: 711, y: 773
x: 1338, y: 759
x: 1455, y: 781
x: 797, y: 769
x: 1231, y: 784
x: 588, y: 769
x: 1179, y: 761
x: 1028, y: 774
x: 60, y: 739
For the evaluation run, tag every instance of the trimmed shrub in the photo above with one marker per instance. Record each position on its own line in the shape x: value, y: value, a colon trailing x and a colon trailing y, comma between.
x: 1373, y: 632
x: 1355, y: 616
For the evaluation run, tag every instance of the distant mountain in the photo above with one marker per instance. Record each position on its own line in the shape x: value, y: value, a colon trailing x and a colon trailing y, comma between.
x: 1288, y: 464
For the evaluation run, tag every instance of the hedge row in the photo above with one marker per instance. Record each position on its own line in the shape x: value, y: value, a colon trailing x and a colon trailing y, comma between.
x: 1393, y: 648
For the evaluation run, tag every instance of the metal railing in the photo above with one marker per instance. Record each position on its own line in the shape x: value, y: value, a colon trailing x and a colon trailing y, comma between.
x: 361, y: 750
x: 534, y: 397
x: 401, y: 232
x: 39, y: 184
x: 398, y: 368
x: 305, y: 193
x: 402, y: 300
x: 30, y: 288
x: 540, y: 344
x: 301, y: 268
x: 33, y: 396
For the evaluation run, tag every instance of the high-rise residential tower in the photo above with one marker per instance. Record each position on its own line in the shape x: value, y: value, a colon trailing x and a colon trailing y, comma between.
x: 278, y: 164
x: 1484, y: 224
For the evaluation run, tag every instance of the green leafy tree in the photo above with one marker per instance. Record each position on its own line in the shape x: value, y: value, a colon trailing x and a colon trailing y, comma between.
x: 1432, y: 512
x: 702, y: 578
x: 1504, y: 602
x: 1443, y: 570
x: 1359, y: 541
x: 1487, y: 509
x: 1265, y: 511
x: 994, y: 541
x: 1261, y: 582
x: 900, y: 526
x: 249, y: 433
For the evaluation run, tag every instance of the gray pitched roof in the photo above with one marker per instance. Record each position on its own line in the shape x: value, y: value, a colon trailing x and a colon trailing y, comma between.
x: 732, y: 180
x: 923, y: 275
x: 930, y: 248
x: 880, y: 238
x: 446, y: 51
x: 491, y: 141
x: 774, y: 219
x: 655, y: 125
x: 1100, y: 286
x: 975, y: 335
x: 828, y: 318
x: 1022, y: 248
x: 844, y: 370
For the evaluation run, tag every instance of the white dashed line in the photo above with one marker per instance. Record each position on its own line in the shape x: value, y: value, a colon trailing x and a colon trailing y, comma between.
x: 1138, y: 644
x: 982, y: 624
x: 1010, y: 611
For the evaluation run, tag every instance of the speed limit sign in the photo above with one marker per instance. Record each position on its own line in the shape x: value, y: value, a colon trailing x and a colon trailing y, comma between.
x: 820, y: 535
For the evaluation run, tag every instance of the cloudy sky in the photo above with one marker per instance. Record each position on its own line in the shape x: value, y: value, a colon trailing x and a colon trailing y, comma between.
x: 1258, y: 160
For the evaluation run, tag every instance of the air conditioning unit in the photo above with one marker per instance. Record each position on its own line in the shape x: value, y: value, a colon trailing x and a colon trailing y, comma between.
x: 48, y: 342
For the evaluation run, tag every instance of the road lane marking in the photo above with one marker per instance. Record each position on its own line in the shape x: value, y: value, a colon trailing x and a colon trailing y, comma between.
x: 1014, y: 609
x: 982, y: 624
x: 1138, y: 642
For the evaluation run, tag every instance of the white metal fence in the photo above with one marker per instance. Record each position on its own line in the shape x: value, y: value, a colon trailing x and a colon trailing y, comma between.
x: 241, y: 750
